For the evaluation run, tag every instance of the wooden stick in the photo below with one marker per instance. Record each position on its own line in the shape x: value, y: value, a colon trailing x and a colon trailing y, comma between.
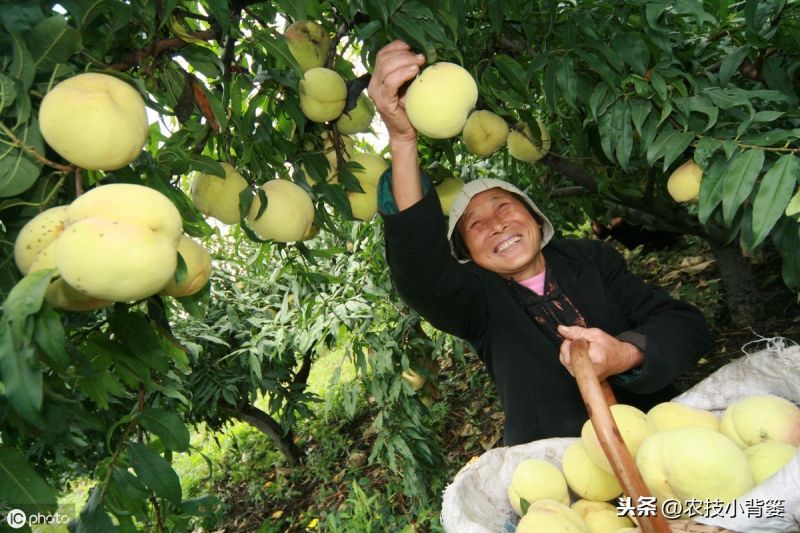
x: 609, y: 436
x: 608, y: 393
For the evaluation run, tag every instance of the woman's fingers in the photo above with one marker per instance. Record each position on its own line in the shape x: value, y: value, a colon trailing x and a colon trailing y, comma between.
x: 395, y: 65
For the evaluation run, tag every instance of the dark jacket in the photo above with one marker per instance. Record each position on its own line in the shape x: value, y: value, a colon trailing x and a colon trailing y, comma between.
x: 539, y: 397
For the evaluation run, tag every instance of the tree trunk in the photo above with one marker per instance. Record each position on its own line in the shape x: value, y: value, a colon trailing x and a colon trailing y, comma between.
x: 267, y: 425
x: 741, y: 294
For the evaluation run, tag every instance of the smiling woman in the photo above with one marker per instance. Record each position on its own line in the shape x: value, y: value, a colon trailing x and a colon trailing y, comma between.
x: 497, y: 277
x: 500, y: 232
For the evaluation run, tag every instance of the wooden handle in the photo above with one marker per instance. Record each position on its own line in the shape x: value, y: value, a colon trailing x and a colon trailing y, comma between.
x: 608, y: 392
x: 608, y: 434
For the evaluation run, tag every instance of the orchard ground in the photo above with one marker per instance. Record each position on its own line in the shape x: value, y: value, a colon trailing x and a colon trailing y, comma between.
x: 337, y: 490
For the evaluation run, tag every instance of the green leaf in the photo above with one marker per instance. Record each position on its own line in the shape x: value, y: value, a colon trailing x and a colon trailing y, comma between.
x: 608, y: 137
x: 704, y: 149
x: 730, y: 98
x: 640, y: 109
x: 19, y: 364
x: 739, y: 180
x: 246, y: 197
x: 277, y: 47
x: 767, y: 116
x: 85, y: 11
x: 778, y: 77
x: 137, y: 334
x: 26, y: 297
x: 771, y: 138
x: 636, y: 54
x: 18, y: 169
x: 669, y: 144
x: 701, y: 104
x: 691, y: 7
x: 612, y: 57
x: 408, y: 28
x: 206, y: 165
x: 730, y: 147
x: 93, y: 518
x: 773, y: 195
x: 120, y: 16
x: 20, y: 15
x: 220, y: 10
x: 622, y: 124
x: 567, y: 81
x: 596, y: 64
x: 787, y: 239
x: 49, y: 336
x: 94, y: 359
x: 203, y: 60
x: 8, y: 92
x: 369, y: 29
x: 53, y: 41
x: 496, y: 17
x: 730, y: 64
x: 666, y: 111
x: 21, y: 487
x: 180, y: 270
x: 659, y: 85
x: 711, y: 188
x: 125, y: 494
x: 513, y: 73
x: 654, y: 10
x: 100, y: 388
x: 155, y: 472
x: 197, y: 303
x: 22, y: 67
x: 316, y: 166
x: 598, y: 95
x: 168, y: 426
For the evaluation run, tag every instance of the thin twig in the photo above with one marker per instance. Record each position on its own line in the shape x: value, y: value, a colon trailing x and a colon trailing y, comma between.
x: 79, y: 190
x: 32, y: 151
x: 745, y: 145
x: 46, y: 199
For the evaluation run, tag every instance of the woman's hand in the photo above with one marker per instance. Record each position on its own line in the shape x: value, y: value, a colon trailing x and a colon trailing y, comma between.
x: 395, y: 64
x: 608, y: 354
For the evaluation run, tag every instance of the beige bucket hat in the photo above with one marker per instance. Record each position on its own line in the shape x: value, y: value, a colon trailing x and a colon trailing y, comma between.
x: 462, y: 199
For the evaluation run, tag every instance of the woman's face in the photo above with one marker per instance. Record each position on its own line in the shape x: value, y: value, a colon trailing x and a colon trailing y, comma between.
x: 501, y: 235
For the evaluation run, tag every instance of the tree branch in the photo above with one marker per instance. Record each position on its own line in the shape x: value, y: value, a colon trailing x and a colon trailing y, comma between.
x: 301, y: 377
x: 342, y: 31
x: 160, y: 46
x: 563, y: 192
x: 576, y: 174
x: 267, y: 425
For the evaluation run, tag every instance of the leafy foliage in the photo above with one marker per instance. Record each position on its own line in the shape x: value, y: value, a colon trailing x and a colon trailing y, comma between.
x: 628, y: 90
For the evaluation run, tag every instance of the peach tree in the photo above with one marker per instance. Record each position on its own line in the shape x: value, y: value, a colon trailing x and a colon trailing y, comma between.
x: 627, y: 92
